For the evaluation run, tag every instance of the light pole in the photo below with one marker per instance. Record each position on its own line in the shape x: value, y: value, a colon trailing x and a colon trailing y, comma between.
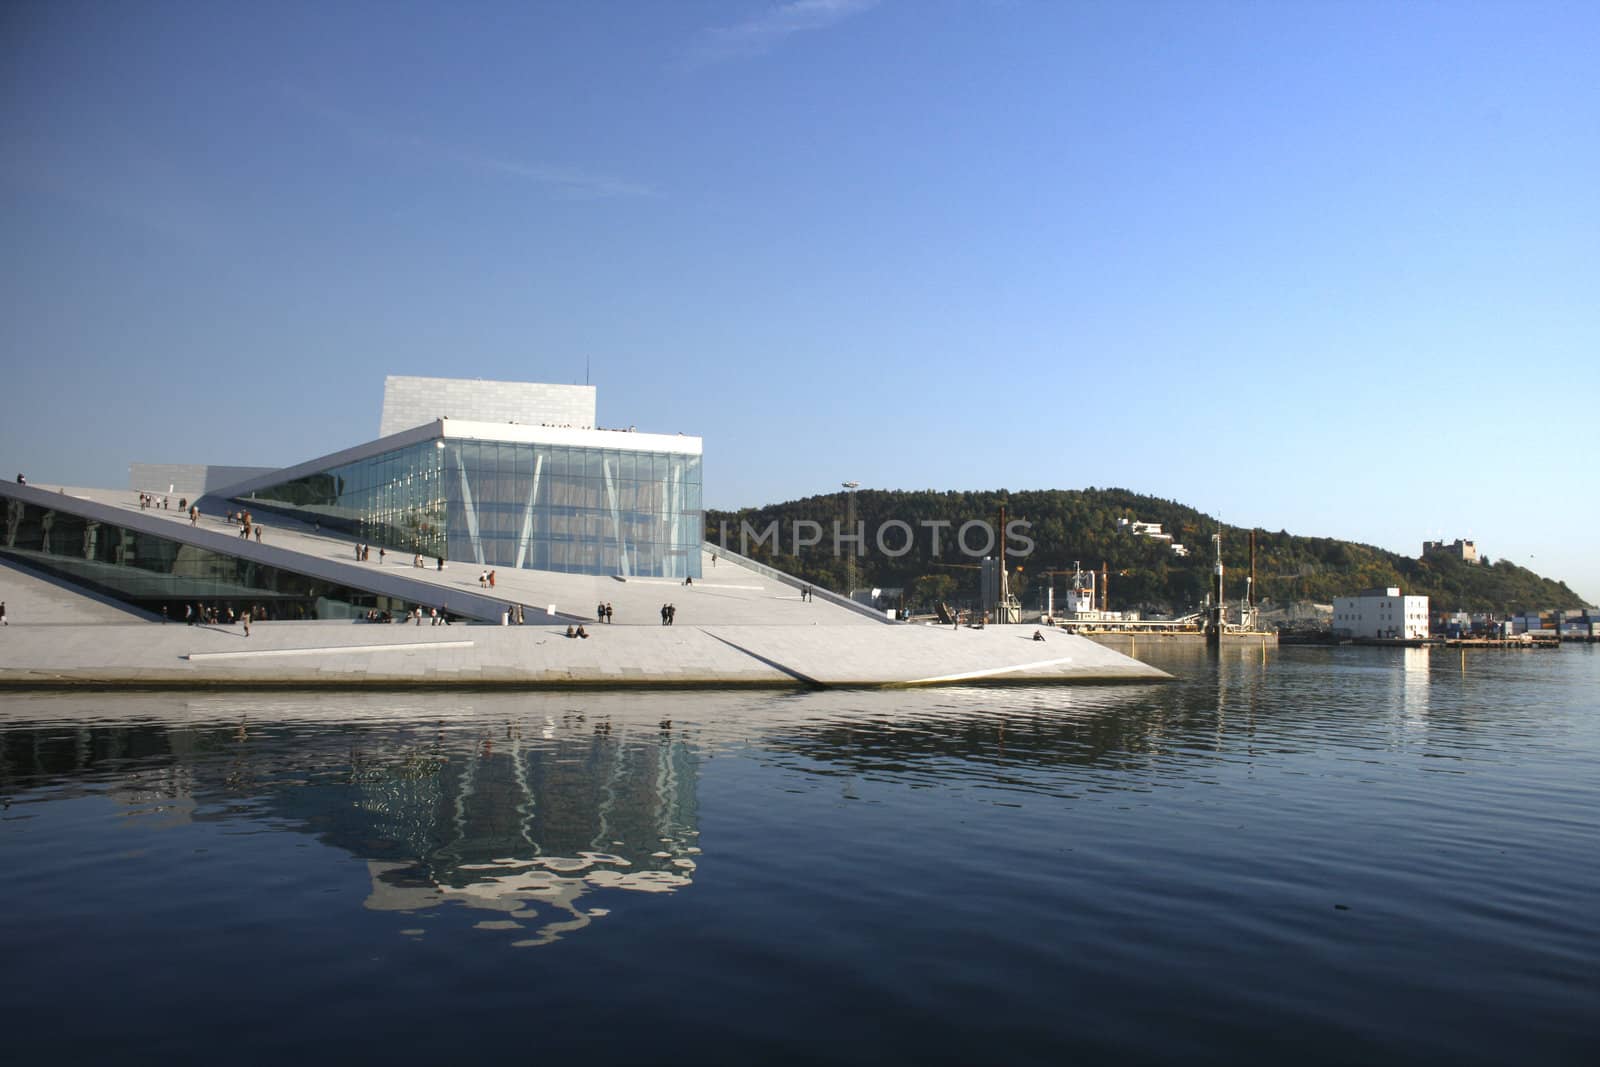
x: 850, y: 512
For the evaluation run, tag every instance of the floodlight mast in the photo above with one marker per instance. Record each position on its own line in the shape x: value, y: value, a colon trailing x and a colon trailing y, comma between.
x: 850, y: 561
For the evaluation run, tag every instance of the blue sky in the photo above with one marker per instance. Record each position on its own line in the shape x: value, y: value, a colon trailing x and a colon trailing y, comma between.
x: 1328, y: 267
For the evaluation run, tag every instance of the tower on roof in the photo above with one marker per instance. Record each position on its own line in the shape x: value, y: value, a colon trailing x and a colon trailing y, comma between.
x: 410, y: 401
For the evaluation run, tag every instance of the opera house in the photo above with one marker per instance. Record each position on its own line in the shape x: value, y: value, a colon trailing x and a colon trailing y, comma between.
x: 478, y: 502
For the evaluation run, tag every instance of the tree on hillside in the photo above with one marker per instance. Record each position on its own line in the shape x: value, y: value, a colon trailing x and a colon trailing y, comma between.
x: 930, y: 589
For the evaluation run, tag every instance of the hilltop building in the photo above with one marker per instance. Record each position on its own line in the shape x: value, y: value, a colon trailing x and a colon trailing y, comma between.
x: 1153, y: 531
x: 1465, y: 551
x: 1381, y: 614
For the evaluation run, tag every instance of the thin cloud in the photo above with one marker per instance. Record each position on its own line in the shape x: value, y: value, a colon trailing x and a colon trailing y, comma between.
x: 564, y: 181
x: 575, y: 183
x: 762, y: 33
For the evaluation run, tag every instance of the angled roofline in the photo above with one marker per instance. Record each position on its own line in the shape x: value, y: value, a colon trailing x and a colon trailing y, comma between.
x: 393, y: 582
x: 463, y: 429
x: 425, y: 432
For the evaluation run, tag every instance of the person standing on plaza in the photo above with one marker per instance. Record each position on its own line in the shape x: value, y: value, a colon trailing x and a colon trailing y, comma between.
x: 381, y: 554
x: 3, y: 620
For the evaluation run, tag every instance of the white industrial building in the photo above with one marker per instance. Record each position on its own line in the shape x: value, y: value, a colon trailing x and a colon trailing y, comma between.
x: 1381, y: 614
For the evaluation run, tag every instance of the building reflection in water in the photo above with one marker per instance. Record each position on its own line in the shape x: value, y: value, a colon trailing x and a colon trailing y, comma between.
x: 519, y: 807
x: 528, y: 828
x: 535, y: 810
x: 1415, y: 665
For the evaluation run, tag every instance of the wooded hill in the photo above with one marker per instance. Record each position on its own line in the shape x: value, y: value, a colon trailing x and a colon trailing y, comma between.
x: 1070, y: 525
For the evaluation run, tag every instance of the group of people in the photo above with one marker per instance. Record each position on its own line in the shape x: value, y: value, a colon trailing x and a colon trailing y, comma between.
x: 805, y: 594
x: 603, y: 612
x: 579, y: 632
x: 245, y: 521
x: 148, y: 500
x: 197, y: 613
x: 486, y: 579
x: 669, y: 612
x: 435, y: 616
x: 364, y: 555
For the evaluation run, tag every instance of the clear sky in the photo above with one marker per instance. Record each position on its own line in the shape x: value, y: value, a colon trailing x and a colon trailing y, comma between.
x: 1332, y: 267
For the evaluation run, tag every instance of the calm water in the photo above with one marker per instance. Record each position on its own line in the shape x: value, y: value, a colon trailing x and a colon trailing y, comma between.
x: 1322, y: 855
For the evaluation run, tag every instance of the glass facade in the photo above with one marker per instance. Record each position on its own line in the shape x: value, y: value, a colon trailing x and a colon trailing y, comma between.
x: 158, y: 574
x: 396, y: 499
x: 580, y: 510
x: 514, y: 504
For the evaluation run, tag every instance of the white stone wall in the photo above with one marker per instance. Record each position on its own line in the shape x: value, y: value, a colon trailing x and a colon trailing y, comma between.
x: 409, y: 402
x: 187, y: 479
